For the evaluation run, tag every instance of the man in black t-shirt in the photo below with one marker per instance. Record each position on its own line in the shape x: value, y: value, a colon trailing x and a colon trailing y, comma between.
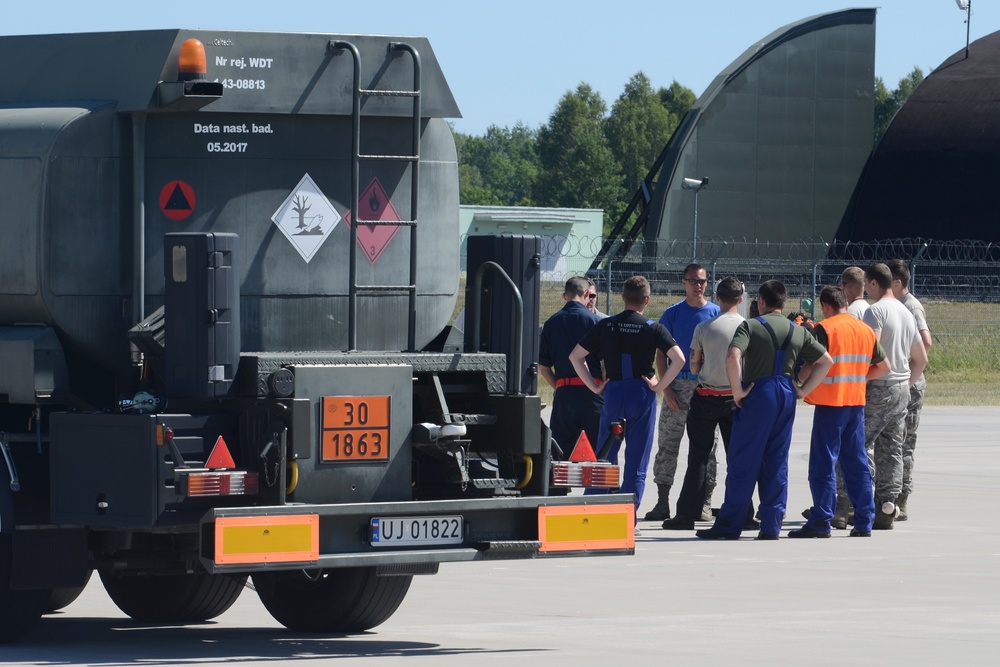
x: 629, y: 344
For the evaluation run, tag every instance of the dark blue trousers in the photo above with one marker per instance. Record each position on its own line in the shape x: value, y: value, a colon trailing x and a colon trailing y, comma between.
x: 838, y: 433
x: 575, y: 409
x: 632, y: 401
x: 758, y: 454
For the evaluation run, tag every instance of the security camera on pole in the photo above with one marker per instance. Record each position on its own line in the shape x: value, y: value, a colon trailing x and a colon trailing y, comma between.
x: 696, y: 185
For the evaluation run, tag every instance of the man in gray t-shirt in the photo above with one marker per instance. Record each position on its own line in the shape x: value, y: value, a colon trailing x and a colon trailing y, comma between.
x: 711, y: 403
x: 887, y: 398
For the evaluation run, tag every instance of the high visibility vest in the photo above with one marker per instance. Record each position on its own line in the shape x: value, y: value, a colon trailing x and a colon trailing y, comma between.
x: 851, y: 342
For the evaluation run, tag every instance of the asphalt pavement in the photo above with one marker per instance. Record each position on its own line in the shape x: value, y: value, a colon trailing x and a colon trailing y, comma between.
x: 925, y: 593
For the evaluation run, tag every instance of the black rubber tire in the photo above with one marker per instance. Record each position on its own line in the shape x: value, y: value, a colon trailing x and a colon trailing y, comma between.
x: 336, y: 601
x: 61, y: 598
x: 173, y: 598
x: 19, y: 610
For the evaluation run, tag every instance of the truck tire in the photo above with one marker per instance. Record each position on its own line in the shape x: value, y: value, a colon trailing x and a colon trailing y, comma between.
x: 336, y: 600
x: 173, y: 598
x: 19, y: 610
x: 61, y: 598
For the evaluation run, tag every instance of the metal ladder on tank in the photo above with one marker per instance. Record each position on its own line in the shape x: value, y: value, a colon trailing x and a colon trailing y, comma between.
x: 354, y: 289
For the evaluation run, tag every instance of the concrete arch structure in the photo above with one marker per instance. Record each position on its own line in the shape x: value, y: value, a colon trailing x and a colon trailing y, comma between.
x: 934, y: 173
x: 782, y: 134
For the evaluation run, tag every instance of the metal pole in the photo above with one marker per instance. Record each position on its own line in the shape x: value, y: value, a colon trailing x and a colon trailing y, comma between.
x: 694, y: 233
x: 138, y: 217
x: 352, y: 262
x: 968, y: 23
x: 414, y: 192
x: 913, y: 269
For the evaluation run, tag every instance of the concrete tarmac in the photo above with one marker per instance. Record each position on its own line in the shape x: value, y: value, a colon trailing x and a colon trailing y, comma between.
x: 925, y: 593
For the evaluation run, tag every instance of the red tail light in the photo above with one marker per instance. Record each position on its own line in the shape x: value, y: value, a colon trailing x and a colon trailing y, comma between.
x: 217, y: 483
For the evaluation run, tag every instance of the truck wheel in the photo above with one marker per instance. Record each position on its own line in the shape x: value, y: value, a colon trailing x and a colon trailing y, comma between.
x: 19, y: 610
x: 64, y: 597
x: 173, y: 598
x: 336, y: 600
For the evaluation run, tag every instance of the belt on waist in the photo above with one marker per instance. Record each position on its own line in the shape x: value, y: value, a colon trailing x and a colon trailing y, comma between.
x: 885, y: 383
x: 573, y: 382
x: 705, y: 391
x: 687, y: 375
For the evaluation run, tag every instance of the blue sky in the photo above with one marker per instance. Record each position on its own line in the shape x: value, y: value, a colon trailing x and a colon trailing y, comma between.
x: 511, y: 61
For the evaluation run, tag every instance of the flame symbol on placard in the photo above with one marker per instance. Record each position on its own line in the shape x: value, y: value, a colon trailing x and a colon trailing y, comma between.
x: 374, y: 203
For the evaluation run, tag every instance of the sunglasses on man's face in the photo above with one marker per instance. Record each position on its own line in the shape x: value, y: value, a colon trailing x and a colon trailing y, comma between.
x: 591, y: 297
x: 696, y: 281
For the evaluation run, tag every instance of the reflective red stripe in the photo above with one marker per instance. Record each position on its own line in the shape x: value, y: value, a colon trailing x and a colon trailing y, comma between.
x: 705, y: 391
x: 573, y: 382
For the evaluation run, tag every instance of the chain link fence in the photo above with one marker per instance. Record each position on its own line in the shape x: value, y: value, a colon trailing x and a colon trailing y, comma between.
x: 950, y: 271
x: 957, y: 281
x: 941, y: 271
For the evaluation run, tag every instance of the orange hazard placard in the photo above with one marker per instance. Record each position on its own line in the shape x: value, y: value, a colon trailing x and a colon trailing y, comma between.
x: 355, y: 428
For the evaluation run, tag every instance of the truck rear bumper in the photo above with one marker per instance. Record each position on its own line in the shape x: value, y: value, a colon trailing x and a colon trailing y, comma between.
x: 252, y: 539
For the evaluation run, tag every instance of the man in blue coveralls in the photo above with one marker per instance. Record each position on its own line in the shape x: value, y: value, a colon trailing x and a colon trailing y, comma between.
x: 760, y: 365
x: 629, y: 344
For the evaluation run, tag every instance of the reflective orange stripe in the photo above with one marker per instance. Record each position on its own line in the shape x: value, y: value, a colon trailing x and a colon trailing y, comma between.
x: 851, y: 343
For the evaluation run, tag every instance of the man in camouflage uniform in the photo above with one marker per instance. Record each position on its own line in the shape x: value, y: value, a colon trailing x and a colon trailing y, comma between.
x: 680, y: 320
x: 900, y: 289
x: 887, y: 397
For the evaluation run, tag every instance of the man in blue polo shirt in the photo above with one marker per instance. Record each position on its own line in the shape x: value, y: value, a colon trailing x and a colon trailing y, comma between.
x: 680, y: 320
x: 574, y: 407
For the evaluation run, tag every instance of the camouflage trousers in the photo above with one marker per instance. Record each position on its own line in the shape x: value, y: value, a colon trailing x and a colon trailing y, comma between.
x: 913, y: 409
x: 885, y: 430
x: 670, y: 431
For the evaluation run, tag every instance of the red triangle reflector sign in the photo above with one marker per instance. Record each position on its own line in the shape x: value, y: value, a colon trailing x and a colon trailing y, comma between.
x: 583, y: 450
x: 220, y: 458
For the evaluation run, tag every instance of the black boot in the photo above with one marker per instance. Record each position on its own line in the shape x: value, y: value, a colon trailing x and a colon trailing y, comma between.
x: 885, y: 513
x: 661, y: 510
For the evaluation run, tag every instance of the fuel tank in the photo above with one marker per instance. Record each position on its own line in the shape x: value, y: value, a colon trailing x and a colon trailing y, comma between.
x: 107, y: 144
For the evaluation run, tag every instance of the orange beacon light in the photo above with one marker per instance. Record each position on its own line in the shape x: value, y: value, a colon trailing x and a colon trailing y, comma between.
x: 192, y: 65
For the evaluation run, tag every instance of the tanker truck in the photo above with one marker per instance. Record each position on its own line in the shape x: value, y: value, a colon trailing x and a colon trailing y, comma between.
x: 227, y: 269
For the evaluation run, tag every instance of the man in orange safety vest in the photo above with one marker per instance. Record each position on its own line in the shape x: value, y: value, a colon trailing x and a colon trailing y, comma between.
x: 838, y: 431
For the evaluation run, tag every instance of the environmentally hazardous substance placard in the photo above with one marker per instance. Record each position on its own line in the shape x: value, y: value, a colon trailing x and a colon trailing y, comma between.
x: 306, y: 218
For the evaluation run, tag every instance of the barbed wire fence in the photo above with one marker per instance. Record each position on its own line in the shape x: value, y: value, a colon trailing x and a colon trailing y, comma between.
x: 959, y: 281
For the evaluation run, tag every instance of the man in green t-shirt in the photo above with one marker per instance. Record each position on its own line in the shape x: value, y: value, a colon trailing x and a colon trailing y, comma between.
x: 761, y: 365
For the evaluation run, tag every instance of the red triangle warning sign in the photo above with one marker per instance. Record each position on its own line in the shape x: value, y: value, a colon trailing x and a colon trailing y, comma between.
x: 582, y: 450
x: 220, y: 458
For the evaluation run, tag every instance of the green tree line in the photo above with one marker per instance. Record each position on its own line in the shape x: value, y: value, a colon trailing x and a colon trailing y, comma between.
x: 587, y: 156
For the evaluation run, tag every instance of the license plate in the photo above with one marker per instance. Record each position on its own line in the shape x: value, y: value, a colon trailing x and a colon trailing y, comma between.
x: 416, y: 530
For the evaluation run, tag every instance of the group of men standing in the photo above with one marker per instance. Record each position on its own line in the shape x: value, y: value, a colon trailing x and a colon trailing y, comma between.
x: 860, y: 366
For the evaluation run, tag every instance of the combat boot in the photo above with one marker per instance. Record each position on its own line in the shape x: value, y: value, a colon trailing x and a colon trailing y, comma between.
x: 661, y: 510
x: 885, y: 513
x: 706, y: 512
x: 901, y: 506
x: 840, y: 514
